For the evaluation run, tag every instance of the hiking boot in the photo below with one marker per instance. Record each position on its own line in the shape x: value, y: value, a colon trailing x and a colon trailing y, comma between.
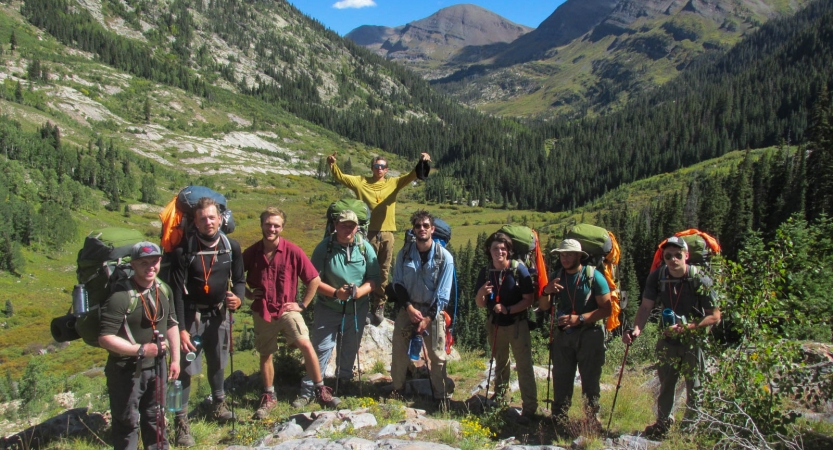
x: 183, y: 432
x: 324, y: 397
x: 301, y: 402
x: 378, y: 315
x: 267, y: 403
x: 221, y: 413
x: 658, y: 429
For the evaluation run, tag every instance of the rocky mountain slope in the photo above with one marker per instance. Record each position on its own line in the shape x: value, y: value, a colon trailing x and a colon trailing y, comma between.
x: 425, y: 43
x: 594, y: 55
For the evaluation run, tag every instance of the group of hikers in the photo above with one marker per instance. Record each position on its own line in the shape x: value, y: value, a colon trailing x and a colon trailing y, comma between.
x: 345, y: 282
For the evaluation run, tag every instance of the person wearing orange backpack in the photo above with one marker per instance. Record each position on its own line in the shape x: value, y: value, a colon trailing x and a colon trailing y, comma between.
x: 582, y: 300
x: 689, y: 306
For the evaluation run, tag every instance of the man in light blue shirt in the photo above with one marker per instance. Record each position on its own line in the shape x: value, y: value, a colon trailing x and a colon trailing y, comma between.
x: 422, y: 279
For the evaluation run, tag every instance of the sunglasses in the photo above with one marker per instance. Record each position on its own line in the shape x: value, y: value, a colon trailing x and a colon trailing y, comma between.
x: 379, y: 166
x: 670, y: 256
x: 422, y: 225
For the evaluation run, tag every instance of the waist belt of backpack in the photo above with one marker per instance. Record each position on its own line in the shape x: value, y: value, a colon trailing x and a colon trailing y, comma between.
x: 206, y: 310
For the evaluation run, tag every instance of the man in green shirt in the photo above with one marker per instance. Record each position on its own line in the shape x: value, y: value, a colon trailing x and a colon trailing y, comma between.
x: 136, y: 309
x: 379, y: 193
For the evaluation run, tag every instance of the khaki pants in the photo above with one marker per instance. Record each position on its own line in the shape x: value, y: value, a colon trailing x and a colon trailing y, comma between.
x: 434, y: 343
x: 518, y: 339
x: 676, y: 359
x: 382, y: 242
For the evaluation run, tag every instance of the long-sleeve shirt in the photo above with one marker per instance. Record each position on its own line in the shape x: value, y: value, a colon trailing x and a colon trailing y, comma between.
x: 418, y: 277
x: 188, y: 275
x: 380, y: 196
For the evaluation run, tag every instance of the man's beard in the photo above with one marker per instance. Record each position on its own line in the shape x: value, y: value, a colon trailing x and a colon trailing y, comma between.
x: 422, y: 240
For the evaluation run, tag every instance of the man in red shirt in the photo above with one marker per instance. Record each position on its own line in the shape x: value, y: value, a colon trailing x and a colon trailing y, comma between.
x: 273, y: 266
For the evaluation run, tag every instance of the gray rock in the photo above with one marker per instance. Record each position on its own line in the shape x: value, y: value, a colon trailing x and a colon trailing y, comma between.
x: 581, y: 442
x: 302, y: 444
x: 355, y: 443
x: 398, y: 444
x: 533, y: 447
x: 387, y: 430
x: 288, y: 430
x: 322, y: 420
x: 362, y: 420
x: 636, y: 442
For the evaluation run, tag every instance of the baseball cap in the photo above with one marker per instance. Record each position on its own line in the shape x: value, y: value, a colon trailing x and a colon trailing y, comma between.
x: 347, y: 216
x: 677, y: 242
x: 143, y: 249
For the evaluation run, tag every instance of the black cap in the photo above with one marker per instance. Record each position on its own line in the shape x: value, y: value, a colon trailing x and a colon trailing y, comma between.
x: 422, y: 169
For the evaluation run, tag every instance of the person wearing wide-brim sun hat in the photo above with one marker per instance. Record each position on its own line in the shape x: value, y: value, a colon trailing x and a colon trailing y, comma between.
x: 582, y: 300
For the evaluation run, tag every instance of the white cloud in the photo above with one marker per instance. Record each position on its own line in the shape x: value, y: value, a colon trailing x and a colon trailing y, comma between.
x: 344, y: 4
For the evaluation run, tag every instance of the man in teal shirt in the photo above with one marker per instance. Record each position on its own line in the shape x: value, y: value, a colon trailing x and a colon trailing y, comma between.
x: 349, y: 272
x: 582, y: 299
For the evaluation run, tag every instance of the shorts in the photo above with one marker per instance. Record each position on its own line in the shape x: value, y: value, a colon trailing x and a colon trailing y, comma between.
x: 290, y: 324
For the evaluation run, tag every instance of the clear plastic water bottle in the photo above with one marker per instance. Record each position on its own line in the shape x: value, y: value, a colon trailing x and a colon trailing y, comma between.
x: 173, y: 402
x: 416, y: 347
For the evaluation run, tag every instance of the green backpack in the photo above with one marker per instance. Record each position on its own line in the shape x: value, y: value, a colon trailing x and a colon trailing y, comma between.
x: 523, y: 240
x: 102, y: 263
x: 353, y: 204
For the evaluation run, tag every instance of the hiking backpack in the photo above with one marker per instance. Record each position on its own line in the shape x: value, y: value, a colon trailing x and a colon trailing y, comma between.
x: 102, y: 264
x: 178, y: 215
x: 603, y: 250
x: 442, y: 236
x: 526, y: 248
x: 701, y: 248
x: 353, y: 204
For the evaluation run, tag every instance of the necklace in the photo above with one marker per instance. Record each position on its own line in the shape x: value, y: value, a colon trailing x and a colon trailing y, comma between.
x: 205, y: 273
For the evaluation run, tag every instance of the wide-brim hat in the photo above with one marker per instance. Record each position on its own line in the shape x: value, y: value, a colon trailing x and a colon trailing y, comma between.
x: 144, y: 249
x: 569, y: 245
x: 347, y: 216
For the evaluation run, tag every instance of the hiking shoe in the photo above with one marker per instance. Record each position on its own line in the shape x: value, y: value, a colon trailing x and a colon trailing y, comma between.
x: 658, y: 429
x: 221, y: 413
x: 301, y: 402
x: 378, y: 315
x: 324, y: 397
x: 183, y: 432
x: 267, y: 403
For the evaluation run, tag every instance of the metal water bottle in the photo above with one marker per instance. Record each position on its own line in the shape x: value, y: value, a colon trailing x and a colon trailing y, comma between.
x: 416, y: 347
x: 173, y: 403
x: 197, y: 341
x: 80, y: 301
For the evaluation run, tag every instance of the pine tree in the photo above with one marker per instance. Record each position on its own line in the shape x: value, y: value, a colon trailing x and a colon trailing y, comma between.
x: 146, y: 110
x: 13, y: 41
x: 9, y: 311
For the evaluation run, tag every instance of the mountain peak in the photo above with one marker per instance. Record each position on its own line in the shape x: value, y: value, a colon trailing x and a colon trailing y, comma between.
x: 440, y: 34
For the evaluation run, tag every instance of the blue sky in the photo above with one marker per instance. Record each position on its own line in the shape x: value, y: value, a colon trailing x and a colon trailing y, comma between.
x: 345, y: 15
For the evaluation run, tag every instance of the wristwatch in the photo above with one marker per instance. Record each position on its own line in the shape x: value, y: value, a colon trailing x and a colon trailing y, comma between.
x: 302, y: 305
x: 581, y: 319
x: 141, y: 352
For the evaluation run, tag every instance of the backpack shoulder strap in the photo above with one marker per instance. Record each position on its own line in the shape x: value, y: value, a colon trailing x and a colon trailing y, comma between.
x: 589, y: 276
x: 439, y: 261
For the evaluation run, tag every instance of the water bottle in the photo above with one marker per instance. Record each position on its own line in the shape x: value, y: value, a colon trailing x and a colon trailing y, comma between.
x: 174, y: 399
x: 416, y: 347
x: 80, y: 301
x: 197, y: 341
x: 669, y: 318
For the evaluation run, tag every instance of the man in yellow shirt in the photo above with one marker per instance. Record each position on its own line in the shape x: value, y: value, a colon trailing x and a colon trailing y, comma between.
x: 379, y: 193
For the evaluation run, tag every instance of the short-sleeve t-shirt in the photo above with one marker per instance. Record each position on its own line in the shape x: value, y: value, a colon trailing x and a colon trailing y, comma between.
x: 278, y: 277
x: 113, y: 312
x: 579, y: 293
x: 679, y: 295
x: 511, y: 291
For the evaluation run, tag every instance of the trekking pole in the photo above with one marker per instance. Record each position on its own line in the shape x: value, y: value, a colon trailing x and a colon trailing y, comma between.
x: 339, y: 341
x: 548, y: 400
x: 619, y: 384
x: 160, y: 415
x: 231, y: 362
x: 428, y: 366
x: 491, y: 361
x: 358, y: 347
